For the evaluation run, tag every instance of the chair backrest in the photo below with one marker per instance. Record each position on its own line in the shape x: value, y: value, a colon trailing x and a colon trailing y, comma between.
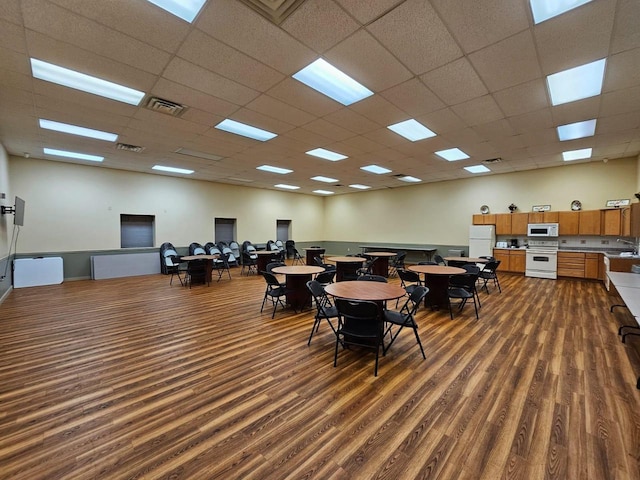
x: 325, y: 277
x: 279, y: 244
x: 318, y: 261
x: 408, y: 277
x: 223, y: 261
x: 171, y: 260
x: 235, y: 248
x: 320, y: 297
x: 491, y: 266
x: 213, y: 250
x: 414, y: 301
x: 229, y: 253
x: 367, y: 277
x: 360, y: 318
x: 169, y: 253
x: 464, y: 280
x: 438, y: 259
x: 272, y: 265
x: 271, y: 279
x: 196, y: 249
x: 399, y: 259
x: 471, y: 268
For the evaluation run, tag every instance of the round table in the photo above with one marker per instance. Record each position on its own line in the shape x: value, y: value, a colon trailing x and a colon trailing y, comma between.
x: 313, y: 252
x: 265, y: 257
x: 381, y: 265
x: 457, y: 261
x: 297, y: 276
x: 437, y: 281
x: 359, y: 290
x: 346, y: 266
x: 209, y: 266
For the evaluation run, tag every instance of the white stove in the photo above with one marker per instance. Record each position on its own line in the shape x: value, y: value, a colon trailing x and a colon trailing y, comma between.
x: 542, y: 259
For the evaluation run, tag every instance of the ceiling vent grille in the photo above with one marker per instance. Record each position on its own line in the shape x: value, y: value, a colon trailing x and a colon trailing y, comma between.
x: 165, y: 106
x: 275, y: 11
x: 129, y: 148
x: 493, y: 160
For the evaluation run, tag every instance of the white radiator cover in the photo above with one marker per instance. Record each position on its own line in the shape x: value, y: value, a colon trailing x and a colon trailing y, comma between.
x: 124, y: 265
x: 34, y: 272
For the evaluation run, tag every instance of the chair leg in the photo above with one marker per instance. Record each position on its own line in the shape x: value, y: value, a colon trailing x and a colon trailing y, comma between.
x: 415, y: 331
x: 316, y: 326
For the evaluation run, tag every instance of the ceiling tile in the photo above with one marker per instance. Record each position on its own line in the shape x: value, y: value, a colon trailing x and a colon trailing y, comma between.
x: 474, y: 24
x: 576, y: 111
x: 456, y: 82
x: 531, y: 121
x: 175, y: 92
x: 620, y: 101
x: 623, y: 70
x: 257, y: 119
x: 507, y: 63
x: 626, y: 34
x: 366, y: 11
x: 494, y: 130
x: 527, y: 97
x: 379, y: 110
x: 300, y: 96
x: 413, y: 97
x: 410, y: 32
x: 329, y: 130
x: 442, y: 121
x: 275, y: 108
x: 617, y: 123
x: 350, y: 120
x: 478, y: 111
x: 12, y: 37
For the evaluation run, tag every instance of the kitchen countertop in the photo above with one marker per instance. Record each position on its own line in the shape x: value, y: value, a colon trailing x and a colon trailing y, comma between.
x: 609, y: 252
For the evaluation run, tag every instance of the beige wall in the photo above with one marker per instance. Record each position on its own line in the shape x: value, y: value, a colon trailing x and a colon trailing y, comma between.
x: 75, y: 207
x: 440, y: 213
x: 6, y: 221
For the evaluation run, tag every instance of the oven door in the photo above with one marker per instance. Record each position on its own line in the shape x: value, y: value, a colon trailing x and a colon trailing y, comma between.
x: 542, y: 264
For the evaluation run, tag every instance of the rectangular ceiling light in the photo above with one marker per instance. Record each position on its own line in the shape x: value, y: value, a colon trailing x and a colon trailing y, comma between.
x: 269, y: 168
x: 477, y: 169
x: 79, y: 156
x: 172, y: 169
x: 375, y: 169
x: 238, y: 128
x: 545, y: 9
x: 86, y: 83
x: 326, y: 154
x: 576, y: 154
x: 320, y: 178
x: 452, y: 154
x: 572, y: 131
x: 75, y: 130
x: 359, y: 186
x: 327, y: 79
x: 324, y: 192
x: 286, y: 187
x: 409, y: 179
x: 576, y: 83
x: 184, y: 9
x: 411, y: 130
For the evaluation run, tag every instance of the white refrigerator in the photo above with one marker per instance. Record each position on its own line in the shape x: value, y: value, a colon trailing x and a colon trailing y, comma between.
x: 482, y: 239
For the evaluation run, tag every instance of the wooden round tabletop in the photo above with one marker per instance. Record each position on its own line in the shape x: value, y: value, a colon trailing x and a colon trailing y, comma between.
x: 360, y: 290
x: 380, y: 254
x: 297, y: 270
x: 267, y: 252
x: 346, y: 259
x: 436, y: 269
x: 466, y: 259
x: 188, y: 258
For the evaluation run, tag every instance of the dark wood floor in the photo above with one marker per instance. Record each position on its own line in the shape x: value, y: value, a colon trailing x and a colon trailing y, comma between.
x: 133, y: 378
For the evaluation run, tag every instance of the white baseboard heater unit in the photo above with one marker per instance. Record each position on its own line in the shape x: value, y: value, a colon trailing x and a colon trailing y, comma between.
x: 124, y: 265
x: 34, y: 272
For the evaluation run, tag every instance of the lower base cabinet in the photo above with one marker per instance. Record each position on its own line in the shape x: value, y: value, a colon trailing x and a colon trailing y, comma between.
x: 578, y: 265
x: 510, y: 260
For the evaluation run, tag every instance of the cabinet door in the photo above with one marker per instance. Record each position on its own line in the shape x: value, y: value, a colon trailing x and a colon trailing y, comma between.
x: 517, y: 260
x: 536, y: 217
x: 550, y: 217
x: 626, y: 221
x: 611, y: 222
x: 571, y: 264
x: 635, y: 220
x: 519, y: 222
x: 589, y: 222
x: 569, y: 223
x: 478, y: 219
x: 489, y: 219
x: 503, y: 256
x: 503, y: 224
x: 591, y: 265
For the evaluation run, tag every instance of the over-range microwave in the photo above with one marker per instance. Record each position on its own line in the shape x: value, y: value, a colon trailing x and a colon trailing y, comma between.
x: 542, y: 230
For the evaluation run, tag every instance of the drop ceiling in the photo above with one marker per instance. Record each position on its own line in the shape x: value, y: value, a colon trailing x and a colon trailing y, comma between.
x: 473, y: 72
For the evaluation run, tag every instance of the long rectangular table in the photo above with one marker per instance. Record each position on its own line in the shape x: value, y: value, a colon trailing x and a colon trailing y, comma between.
x: 628, y: 287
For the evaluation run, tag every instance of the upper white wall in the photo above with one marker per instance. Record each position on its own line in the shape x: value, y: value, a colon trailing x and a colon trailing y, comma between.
x: 6, y: 221
x: 73, y: 207
x: 440, y: 213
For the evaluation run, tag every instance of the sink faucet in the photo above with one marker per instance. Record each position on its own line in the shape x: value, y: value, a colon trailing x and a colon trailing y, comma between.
x: 633, y: 244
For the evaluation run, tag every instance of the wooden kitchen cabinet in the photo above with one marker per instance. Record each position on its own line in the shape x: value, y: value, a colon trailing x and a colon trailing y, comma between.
x: 543, y: 217
x: 571, y: 264
x: 591, y: 263
x: 487, y: 219
x: 634, y: 223
x: 519, y: 223
x: 569, y: 223
x: 611, y: 222
x: 502, y: 254
x: 503, y: 223
x: 626, y: 221
x: 589, y: 222
x: 517, y: 261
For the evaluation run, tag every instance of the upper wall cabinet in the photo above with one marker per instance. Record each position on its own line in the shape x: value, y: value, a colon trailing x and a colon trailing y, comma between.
x: 589, y: 222
x: 519, y: 223
x: 486, y: 219
x: 634, y: 223
x: 503, y: 224
x: 543, y: 217
x: 569, y: 223
x: 616, y: 222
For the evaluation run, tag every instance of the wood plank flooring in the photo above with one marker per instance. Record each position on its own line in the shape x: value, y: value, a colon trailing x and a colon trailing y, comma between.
x: 133, y: 378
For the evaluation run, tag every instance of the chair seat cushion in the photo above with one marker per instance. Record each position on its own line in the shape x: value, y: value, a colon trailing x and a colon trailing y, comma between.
x: 391, y: 316
x: 456, y: 292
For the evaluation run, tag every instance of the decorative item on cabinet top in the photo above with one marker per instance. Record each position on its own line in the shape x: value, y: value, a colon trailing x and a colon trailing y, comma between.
x: 637, y: 195
x: 618, y: 203
x: 576, y: 205
x: 513, y: 207
x: 541, y: 208
x: 484, y: 209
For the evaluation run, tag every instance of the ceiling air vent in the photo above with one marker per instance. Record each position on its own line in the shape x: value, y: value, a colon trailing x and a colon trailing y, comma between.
x: 129, y: 148
x: 493, y: 160
x: 165, y: 106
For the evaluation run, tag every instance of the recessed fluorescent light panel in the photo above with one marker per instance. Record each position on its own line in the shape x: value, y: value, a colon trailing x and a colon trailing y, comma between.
x: 572, y: 131
x: 86, y: 83
x: 172, y: 169
x: 545, y: 9
x: 238, y: 128
x: 375, y: 169
x: 320, y: 178
x: 411, y: 130
x: 360, y: 187
x: 269, y: 168
x: 409, y: 179
x: 286, y: 187
x: 79, y: 156
x: 327, y: 79
x: 576, y: 83
x: 477, y: 169
x: 75, y: 130
x: 326, y: 154
x: 576, y: 154
x: 184, y: 9
x: 323, y: 192
x: 452, y: 154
